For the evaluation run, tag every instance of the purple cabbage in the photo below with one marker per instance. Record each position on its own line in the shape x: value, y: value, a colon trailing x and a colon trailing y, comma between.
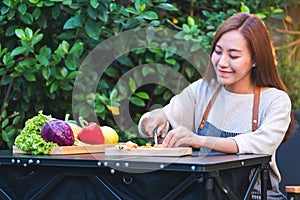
x: 58, y: 131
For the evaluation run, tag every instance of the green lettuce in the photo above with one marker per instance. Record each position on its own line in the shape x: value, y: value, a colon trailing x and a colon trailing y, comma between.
x: 30, y: 139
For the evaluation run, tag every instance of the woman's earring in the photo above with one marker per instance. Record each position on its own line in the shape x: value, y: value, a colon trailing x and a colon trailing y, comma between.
x: 254, y: 65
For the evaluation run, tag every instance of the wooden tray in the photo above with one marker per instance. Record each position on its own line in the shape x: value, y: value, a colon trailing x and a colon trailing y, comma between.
x: 64, y: 150
x: 140, y: 151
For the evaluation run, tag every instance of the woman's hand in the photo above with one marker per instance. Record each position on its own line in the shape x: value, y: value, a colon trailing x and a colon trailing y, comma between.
x: 154, y: 119
x: 181, y: 136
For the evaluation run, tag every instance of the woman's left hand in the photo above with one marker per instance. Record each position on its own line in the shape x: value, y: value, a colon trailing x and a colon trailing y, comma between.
x: 181, y: 136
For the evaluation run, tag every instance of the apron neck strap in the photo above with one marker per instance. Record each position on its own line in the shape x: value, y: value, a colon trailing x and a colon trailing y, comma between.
x: 256, y: 100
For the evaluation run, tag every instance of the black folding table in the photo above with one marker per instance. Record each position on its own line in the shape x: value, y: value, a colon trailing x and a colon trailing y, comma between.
x: 122, y: 177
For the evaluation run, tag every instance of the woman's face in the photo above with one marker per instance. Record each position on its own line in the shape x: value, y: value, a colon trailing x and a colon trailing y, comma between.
x: 232, y: 62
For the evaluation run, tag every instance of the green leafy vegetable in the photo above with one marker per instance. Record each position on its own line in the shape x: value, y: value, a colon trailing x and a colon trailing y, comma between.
x: 30, y: 139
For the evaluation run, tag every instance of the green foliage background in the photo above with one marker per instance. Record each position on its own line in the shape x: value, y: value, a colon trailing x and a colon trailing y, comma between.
x: 43, y: 42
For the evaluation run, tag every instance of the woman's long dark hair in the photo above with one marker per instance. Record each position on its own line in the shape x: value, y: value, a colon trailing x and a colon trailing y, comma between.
x: 257, y: 35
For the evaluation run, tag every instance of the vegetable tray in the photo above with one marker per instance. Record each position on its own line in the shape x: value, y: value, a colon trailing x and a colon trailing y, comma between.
x: 140, y: 151
x: 65, y: 150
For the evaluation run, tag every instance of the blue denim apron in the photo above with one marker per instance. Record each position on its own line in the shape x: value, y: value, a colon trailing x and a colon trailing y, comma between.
x: 237, y: 180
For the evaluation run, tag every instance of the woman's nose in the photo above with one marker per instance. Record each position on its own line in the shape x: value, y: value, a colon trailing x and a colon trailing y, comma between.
x: 223, y: 62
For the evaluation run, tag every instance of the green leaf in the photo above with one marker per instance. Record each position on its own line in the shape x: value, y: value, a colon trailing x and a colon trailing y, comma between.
x: 18, y: 51
x: 36, y: 13
x: 3, y: 114
x: 66, y: 87
x: 143, y: 7
x: 137, y: 101
x: 29, y: 62
x: 4, y: 123
x: 167, y: 6
x: 125, y: 60
x: 150, y: 15
x: 34, y: 1
x: 36, y: 39
x: 132, y: 84
x: 72, y: 75
x: 93, y: 29
x: 45, y: 51
x: 171, y: 61
x: 244, y: 8
x: 64, y: 71
x: 22, y: 9
x: 3, y: 51
x: 189, y: 71
x: 113, y: 94
x: 70, y: 64
x: 30, y: 77
x: 111, y: 72
x: 191, y: 21
x: 142, y: 95
x: 132, y: 10
x: 94, y: 3
x: 100, y: 108
x: 112, y: 6
x: 103, y: 16
x: 66, y: 36
x: 27, y: 18
x: 16, y: 120
x: 46, y: 72
x: 78, y: 46
x: 53, y: 87
x: 7, y: 2
x: 28, y: 33
x: 55, y: 13
x: 73, y: 22
x: 20, y: 34
x: 260, y: 15
x: 155, y: 23
x: 278, y: 11
x: 65, y: 46
x: 4, y: 10
x: 92, y: 12
x: 42, y: 59
x: 11, y: 14
x: 137, y: 5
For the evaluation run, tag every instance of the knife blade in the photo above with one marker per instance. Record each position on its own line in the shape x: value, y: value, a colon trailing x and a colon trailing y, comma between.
x: 155, y: 136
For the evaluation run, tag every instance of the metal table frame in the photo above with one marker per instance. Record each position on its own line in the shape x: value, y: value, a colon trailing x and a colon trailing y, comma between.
x: 204, y: 169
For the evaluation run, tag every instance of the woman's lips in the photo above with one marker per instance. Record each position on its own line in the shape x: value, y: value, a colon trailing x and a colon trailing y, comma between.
x: 224, y: 73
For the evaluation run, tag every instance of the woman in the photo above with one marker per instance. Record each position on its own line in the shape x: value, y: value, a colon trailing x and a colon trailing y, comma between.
x: 240, y: 105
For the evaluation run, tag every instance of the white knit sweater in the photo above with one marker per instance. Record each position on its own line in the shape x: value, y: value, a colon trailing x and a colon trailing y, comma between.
x: 232, y: 112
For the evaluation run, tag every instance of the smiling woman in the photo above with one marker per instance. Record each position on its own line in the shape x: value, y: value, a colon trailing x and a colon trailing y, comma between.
x: 240, y: 105
x: 232, y: 62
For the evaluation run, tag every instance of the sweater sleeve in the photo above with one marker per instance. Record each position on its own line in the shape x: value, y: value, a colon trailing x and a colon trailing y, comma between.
x: 181, y: 109
x: 274, y: 120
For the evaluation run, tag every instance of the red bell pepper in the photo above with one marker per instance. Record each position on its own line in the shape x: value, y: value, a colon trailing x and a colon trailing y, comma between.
x: 91, y: 134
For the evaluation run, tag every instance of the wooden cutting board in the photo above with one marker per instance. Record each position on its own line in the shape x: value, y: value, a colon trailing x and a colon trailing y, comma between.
x: 140, y: 151
x: 65, y: 150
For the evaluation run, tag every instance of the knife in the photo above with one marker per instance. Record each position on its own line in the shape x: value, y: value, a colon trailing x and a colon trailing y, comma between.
x: 155, y: 135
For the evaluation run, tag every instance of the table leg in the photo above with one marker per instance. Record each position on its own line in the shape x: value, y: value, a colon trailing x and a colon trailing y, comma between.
x: 181, y: 187
x: 3, y: 195
x: 209, y: 187
x: 264, y: 181
x: 46, y: 188
x: 100, y: 183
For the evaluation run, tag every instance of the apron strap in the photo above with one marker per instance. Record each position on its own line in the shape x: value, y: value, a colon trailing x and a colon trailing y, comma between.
x: 207, y: 110
x: 256, y: 100
x: 255, y: 108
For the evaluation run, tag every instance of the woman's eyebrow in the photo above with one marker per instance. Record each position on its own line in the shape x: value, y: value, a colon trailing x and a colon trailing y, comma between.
x: 235, y: 50
x: 230, y: 50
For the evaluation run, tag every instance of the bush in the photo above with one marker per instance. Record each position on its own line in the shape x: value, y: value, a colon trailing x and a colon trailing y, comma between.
x: 43, y: 43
